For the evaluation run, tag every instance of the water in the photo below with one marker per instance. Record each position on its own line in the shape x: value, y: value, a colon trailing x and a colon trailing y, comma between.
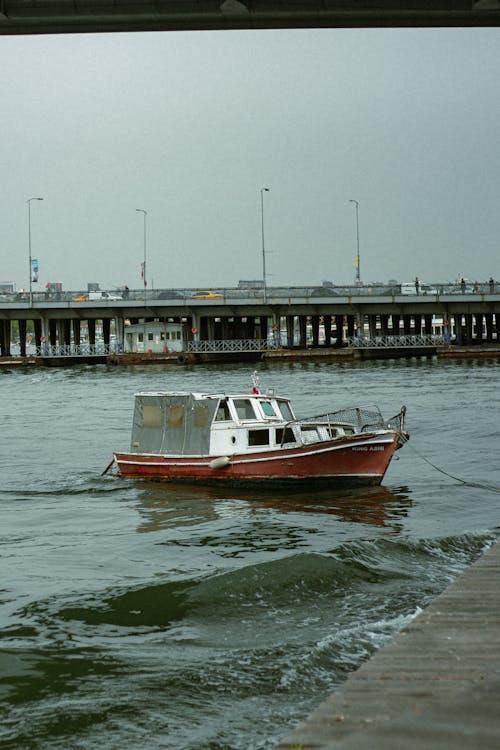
x: 142, y: 615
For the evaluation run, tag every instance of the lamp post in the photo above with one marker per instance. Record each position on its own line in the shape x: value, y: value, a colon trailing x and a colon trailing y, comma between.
x: 358, y: 273
x: 144, y: 279
x: 144, y: 213
x: 29, y: 246
x: 262, y: 191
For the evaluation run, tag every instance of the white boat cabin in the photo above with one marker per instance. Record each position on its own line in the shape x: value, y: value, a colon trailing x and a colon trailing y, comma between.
x: 196, y: 424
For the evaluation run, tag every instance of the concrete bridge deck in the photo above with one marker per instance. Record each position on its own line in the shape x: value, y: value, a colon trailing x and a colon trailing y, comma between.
x: 436, y: 686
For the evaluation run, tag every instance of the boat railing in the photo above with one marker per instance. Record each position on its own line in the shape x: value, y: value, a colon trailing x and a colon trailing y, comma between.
x: 354, y: 419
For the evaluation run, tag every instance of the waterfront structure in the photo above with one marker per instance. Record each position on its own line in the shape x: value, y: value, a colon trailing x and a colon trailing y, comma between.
x: 286, y: 318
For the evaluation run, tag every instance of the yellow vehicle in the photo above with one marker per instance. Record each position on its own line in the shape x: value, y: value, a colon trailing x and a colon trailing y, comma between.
x: 82, y: 298
x: 207, y: 295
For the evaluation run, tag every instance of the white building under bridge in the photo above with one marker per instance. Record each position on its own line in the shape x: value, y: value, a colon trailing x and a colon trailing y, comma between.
x: 155, y: 336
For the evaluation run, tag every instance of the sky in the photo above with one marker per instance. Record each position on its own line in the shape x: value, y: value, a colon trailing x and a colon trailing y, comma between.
x: 190, y: 126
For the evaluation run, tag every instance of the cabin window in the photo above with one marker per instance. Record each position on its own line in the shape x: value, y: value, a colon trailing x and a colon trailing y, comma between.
x: 286, y: 412
x: 200, y: 416
x: 222, y: 414
x: 175, y: 416
x: 284, y: 435
x: 151, y: 416
x: 258, y: 437
x: 244, y: 408
x: 268, y: 409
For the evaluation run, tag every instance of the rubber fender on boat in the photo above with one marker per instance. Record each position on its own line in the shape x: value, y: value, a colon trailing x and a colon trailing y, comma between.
x: 220, y: 462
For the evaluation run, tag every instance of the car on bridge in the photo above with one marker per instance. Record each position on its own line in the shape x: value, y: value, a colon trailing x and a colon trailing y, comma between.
x: 206, y: 295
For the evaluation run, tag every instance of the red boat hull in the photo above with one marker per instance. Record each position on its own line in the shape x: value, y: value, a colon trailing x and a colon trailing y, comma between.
x: 362, y: 459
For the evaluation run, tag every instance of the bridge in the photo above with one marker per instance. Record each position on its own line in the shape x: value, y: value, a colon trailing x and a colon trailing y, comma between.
x: 89, y: 16
x: 271, y: 318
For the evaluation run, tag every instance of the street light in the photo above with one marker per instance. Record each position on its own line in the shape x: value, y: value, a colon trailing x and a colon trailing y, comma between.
x: 358, y: 273
x: 262, y: 191
x: 29, y: 245
x: 143, y: 273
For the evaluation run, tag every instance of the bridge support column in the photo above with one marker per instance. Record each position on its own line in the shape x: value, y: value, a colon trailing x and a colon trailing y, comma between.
x: 418, y: 323
x: 91, y: 328
x: 468, y: 328
x: 106, y: 331
x: 315, y: 330
x: 384, y: 325
x: 327, y: 326
x: 339, y: 330
x: 489, y: 327
x: 479, y: 328
x: 5, y: 337
x: 428, y: 324
x: 22, y: 337
x: 40, y: 327
x: 119, y: 332
x: 407, y: 324
x: 303, y: 331
x: 351, y: 324
x: 264, y: 327
x: 52, y: 332
x: 290, y: 320
x: 372, y: 325
x: 75, y: 324
x: 396, y: 320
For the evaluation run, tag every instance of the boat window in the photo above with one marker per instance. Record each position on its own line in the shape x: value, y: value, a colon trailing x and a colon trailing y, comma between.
x: 222, y: 414
x: 258, y: 437
x: 175, y: 416
x: 284, y: 436
x: 268, y: 409
x: 151, y: 416
x: 244, y: 408
x: 286, y: 412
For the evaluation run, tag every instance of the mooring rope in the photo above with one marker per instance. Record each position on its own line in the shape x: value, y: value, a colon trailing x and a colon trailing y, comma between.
x: 490, y: 487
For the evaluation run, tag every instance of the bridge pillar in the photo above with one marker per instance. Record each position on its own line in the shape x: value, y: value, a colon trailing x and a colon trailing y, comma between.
x: 290, y: 331
x: 22, y: 337
x: 40, y: 327
x: 428, y: 324
x: 315, y: 330
x: 91, y: 328
x: 407, y: 324
x: 303, y: 331
x: 52, y: 332
x: 396, y: 320
x: 384, y: 325
x: 479, y: 328
x: 327, y: 324
x: 417, y: 321
x: 75, y: 324
x: 119, y: 332
x: 372, y: 325
x: 106, y: 330
x: 489, y: 327
x: 264, y: 327
x: 339, y: 330
x: 5, y: 338
x: 351, y: 322
x: 468, y: 328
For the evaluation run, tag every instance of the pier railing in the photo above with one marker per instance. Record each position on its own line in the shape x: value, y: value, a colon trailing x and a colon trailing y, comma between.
x: 229, y: 345
x: 75, y: 350
x: 390, y: 342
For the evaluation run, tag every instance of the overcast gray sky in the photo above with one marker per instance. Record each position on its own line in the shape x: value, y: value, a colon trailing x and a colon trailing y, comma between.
x: 190, y: 127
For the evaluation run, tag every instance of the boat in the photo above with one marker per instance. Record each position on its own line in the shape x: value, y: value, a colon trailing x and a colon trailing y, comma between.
x: 255, y: 438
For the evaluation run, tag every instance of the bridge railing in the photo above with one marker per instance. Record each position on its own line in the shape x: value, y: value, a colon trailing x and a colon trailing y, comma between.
x: 395, y: 341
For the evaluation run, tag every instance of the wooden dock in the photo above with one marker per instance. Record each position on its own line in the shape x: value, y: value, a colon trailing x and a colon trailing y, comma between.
x: 436, y: 686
